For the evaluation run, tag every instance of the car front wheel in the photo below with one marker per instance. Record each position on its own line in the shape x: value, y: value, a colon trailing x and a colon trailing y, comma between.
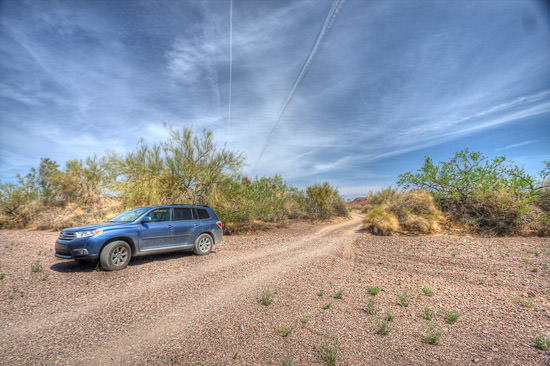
x: 115, y: 256
x: 203, y: 244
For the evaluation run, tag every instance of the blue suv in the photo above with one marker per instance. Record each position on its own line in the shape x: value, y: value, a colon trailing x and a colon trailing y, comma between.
x: 142, y: 231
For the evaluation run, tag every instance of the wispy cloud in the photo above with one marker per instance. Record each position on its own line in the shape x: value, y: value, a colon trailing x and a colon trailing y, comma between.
x: 519, y: 144
x: 332, y: 13
x: 354, y: 101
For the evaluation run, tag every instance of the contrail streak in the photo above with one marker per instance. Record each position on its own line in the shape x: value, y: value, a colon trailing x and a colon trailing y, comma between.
x: 333, y: 11
x: 230, y: 68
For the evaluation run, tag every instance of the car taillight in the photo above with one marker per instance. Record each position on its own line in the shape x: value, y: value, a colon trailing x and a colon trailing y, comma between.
x: 219, y: 223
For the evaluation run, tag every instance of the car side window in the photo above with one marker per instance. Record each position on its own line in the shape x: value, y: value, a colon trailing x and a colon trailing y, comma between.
x: 203, y: 214
x: 160, y: 215
x: 182, y: 214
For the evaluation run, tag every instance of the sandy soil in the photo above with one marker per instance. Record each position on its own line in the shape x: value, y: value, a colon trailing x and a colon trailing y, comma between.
x: 190, y: 310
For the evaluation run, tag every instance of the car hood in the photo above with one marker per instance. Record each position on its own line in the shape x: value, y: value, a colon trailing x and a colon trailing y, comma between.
x: 102, y: 225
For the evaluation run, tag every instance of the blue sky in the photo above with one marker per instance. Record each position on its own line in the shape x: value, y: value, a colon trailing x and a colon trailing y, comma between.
x: 354, y: 92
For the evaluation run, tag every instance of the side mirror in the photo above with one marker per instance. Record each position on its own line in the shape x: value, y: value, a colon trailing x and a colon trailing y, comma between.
x: 145, y: 220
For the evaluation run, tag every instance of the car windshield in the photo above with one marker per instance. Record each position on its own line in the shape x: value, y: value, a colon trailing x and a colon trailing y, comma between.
x: 129, y: 216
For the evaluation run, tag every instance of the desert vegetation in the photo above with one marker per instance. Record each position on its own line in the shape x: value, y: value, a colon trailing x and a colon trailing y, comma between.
x: 186, y: 168
x: 470, y: 192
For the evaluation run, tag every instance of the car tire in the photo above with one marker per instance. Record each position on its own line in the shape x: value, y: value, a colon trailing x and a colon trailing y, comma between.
x: 203, y: 244
x: 115, y: 256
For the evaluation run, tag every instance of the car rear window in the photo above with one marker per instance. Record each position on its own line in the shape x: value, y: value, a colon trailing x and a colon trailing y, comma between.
x: 182, y: 214
x: 203, y: 214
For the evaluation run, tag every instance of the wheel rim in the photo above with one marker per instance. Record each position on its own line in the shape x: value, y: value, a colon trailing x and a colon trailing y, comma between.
x: 119, y: 256
x: 205, y: 244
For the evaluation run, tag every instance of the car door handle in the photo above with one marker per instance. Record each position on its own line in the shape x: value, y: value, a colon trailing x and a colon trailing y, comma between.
x: 170, y: 227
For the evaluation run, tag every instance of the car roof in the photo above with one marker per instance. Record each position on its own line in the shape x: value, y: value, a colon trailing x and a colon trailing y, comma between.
x: 178, y: 205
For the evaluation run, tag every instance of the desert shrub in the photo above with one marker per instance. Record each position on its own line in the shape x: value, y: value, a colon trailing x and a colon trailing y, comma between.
x: 268, y: 199
x: 322, y: 202
x: 380, y: 222
x: 495, y: 196
x: 384, y: 195
x: 414, y: 212
x: 184, y: 168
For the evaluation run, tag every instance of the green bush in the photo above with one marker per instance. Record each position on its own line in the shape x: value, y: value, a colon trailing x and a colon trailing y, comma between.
x: 323, y: 202
x: 488, y: 195
x: 185, y: 168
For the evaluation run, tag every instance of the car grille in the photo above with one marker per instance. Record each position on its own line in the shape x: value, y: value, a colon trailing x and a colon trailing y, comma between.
x: 67, y: 236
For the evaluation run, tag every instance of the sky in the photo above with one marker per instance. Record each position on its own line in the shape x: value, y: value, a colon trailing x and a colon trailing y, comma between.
x: 354, y: 92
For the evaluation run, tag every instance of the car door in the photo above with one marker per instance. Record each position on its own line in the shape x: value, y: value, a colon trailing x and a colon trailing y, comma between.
x: 159, y: 232
x: 184, y: 226
x: 202, y: 220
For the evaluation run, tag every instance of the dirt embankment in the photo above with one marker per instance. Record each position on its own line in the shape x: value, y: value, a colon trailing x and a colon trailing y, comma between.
x: 184, y: 309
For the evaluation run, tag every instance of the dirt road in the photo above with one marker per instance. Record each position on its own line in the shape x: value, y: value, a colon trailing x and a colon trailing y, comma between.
x: 70, y: 314
x: 190, y: 310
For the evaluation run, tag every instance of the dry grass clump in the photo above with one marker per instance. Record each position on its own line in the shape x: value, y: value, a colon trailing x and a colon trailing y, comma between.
x: 411, y: 212
x: 57, y: 217
x: 380, y: 222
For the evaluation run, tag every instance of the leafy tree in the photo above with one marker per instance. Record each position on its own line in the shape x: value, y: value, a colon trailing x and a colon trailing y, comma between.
x: 185, y: 168
x: 469, y: 173
x: 48, y: 177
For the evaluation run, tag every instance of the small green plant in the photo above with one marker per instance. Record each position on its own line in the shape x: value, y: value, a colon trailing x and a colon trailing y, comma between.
x: 339, y: 293
x: 36, y: 266
x: 526, y: 302
x: 432, y: 334
x: 427, y: 313
x: 455, y: 252
x: 545, y: 266
x: 22, y: 294
x: 481, y: 281
x: 287, y: 360
x: 328, y: 352
x: 534, y: 251
x: 373, y: 290
x: 2, y: 275
x: 427, y: 291
x: 284, y: 331
x: 383, y: 326
x: 535, y: 270
x: 542, y: 341
x: 404, y: 298
x: 305, y: 319
x: 266, y: 297
x: 327, y: 306
x: 389, y: 314
x: 479, y: 255
x: 451, y: 315
x: 526, y: 260
x: 321, y: 293
x: 87, y: 282
x: 98, y: 267
x: 371, y: 306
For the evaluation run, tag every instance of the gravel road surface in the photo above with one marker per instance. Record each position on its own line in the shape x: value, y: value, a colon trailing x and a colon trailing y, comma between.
x: 191, y: 310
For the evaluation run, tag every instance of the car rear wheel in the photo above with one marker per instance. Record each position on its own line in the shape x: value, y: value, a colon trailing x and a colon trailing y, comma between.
x: 115, y: 256
x: 203, y: 244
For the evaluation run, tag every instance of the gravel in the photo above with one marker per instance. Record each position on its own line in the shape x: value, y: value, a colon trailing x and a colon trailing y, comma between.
x: 185, y: 309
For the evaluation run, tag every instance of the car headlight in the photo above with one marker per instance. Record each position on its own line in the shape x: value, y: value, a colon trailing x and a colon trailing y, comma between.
x: 85, y: 234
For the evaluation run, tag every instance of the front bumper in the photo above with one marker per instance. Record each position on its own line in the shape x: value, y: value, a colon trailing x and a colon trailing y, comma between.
x: 75, y: 249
